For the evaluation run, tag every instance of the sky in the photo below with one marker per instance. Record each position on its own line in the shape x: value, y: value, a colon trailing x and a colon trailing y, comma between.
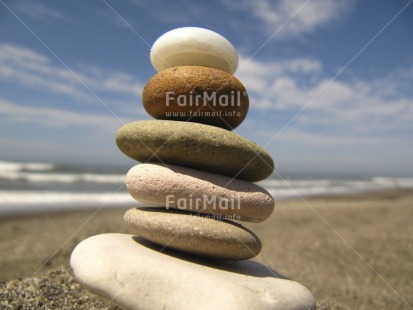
x: 330, y: 81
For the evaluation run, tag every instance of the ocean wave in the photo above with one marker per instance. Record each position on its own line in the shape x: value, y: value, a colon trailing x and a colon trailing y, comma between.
x: 33, y: 201
x: 16, y: 166
x: 37, y: 197
x: 51, y: 173
x: 394, y: 182
x: 278, y: 183
x: 38, y: 186
x: 303, y: 188
x: 62, y: 177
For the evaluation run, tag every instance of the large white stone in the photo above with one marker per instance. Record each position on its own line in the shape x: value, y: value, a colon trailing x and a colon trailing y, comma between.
x: 135, y: 275
x: 193, y: 46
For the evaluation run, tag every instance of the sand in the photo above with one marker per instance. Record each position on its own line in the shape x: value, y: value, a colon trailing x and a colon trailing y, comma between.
x: 351, y: 252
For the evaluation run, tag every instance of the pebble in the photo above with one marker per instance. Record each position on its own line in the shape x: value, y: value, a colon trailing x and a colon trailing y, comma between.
x: 199, y: 191
x: 195, y: 146
x: 197, y: 94
x: 195, y: 234
x: 136, y: 275
x: 193, y: 46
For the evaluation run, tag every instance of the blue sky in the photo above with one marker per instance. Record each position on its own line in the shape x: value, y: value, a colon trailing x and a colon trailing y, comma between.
x: 330, y: 81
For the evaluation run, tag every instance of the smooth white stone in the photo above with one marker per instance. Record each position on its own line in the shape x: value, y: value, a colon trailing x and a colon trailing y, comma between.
x: 133, y: 276
x: 199, y: 191
x: 193, y: 46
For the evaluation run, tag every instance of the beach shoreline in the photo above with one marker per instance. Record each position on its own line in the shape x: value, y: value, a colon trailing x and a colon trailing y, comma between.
x: 352, y: 250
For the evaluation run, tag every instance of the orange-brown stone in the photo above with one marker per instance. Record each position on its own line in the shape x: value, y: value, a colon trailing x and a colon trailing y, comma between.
x: 197, y: 94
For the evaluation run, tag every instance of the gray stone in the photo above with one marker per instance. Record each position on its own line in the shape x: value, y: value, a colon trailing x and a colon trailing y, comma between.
x: 193, y: 233
x: 195, y: 146
x: 199, y: 191
x: 135, y: 275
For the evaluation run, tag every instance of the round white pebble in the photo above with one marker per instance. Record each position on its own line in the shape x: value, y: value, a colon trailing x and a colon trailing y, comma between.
x: 193, y: 46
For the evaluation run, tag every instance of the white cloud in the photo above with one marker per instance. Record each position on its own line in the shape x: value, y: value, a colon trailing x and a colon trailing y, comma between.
x: 39, y: 12
x: 301, y: 150
x: 300, y: 65
x: 293, y: 17
x: 57, y: 118
x: 31, y: 69
x: 258, y: 75
x: 357, y: 105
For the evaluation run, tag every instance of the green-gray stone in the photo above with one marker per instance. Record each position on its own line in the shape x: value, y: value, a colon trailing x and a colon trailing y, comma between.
x: 196, y: 146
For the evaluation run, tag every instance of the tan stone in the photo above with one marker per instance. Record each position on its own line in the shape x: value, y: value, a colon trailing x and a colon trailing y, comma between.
x: 197, y: 94
x: 199, y: 191
x: 196, y: 146
x: 193, y: 234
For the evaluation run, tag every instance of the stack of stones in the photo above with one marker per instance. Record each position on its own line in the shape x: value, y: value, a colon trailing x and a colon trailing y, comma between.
x: 194, y: 164
x: 197, y: 176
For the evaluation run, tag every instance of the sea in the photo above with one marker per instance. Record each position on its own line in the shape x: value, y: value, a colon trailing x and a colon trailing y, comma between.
x: 33, y: 187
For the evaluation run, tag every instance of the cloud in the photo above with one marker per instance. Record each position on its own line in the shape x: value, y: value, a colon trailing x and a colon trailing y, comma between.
x: 56, y: 118
x: 33, y: 70
x: 39, y: 12
x: 289, y: 17
x: 30, y: 69
x: 293, y: 17
x: 380, y: 106
x: 258, y: 75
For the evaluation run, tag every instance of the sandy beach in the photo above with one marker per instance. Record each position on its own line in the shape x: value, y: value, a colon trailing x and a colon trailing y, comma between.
x: 352, y: 251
